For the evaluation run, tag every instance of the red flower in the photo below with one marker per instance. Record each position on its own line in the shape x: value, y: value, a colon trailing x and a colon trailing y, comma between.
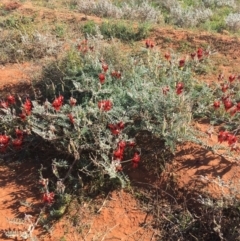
x: 19, y: 133
x: 116, y: 74
x: 57, y: 103
x: 135, y: 160
x: 181, y: 63
x: 122, y: 145
x: 115, y: 131
x: 179, y: 88
x: 222, y: 136
x: 228, y: 104
x: 70, y: 116
x: 72, y: 101
x: 131, y: 144
x: 200, y: 53
x: 48, y: 197
x: 11, y: 99
x: 232, y: 139
x: 179, y: 91
x: 118, y: 154
x: 61, y: 98
x: 17, y: 143
x: 22, y: 116
x: 120, y: 125
x: 216, y: 104
x: 224, y: 88
x: 165, y: 90
x: 105, y: 105
x: 116, y: 128
x: 101, y: 78
x: 231, y: 78
x: 149, y: 43
x: 167, y: 56
x: 104, y: 67
x: 27, y: 106
x: 180, y: 85
x: 4, y: 140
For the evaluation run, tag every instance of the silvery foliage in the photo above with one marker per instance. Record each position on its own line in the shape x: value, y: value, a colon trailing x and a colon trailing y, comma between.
x: 219, y: 3
x: 189, y: 17
x: 143, y: 12
x: 233, y: 21
x: 130, y: 10
x: 228, y: 190
x: 46, y: 43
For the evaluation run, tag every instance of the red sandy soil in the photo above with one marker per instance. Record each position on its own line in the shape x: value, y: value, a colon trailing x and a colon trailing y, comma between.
x: 120, y: 217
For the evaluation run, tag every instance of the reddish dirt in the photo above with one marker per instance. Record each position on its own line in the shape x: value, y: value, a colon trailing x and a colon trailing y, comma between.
x: 23, y: 73
x: 119, y: 217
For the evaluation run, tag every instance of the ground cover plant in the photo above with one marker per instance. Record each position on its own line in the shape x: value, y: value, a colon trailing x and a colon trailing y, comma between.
x: 95, y: 107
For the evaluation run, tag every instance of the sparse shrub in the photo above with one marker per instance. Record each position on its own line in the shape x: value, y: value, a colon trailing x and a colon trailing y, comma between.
x: 219, y: 3
x: 131, y: 11
x: 233, y: 21
x: 189, y: 17
x: 27, y: 46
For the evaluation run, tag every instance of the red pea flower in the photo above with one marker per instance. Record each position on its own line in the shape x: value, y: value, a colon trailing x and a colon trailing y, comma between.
x: 105, y: 67
x: 4, y: 139
x: 120, y: 125
x: 179, y: 88
x: 167, y: 56
x: 200, y: 53
x: 11, y: 100
x: 222, y: 136
x: 70, y: 116
x: 181, y: 63
x: 224, y: 88
x: 165, y: 90
x: 228, y: 104
x: 23, y: 116
x: 114, y: 129
x: 116, y: 74
x: 122, y: 145
x: 19, y: 133
x: 231, y: 78
x: 27, y: 106
x: 135, y: 160
x: 101, y: 78
x: 118, y: 154
x: 72, y: 101
x: 48, y: 198
x: 149, y: 43
x: 232, y: 139
x: 57, y: 103
x: 131, y: 144
x: 105, y: 105
x: 17, y: 143
x: 216, y: 104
